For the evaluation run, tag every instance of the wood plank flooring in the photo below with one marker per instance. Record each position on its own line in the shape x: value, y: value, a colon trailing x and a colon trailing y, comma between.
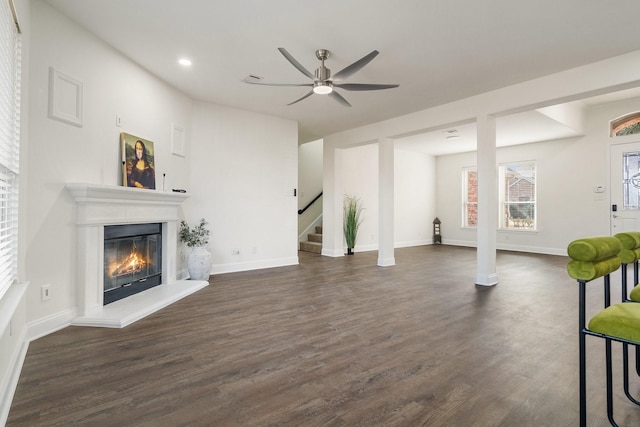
x: 336, y: 342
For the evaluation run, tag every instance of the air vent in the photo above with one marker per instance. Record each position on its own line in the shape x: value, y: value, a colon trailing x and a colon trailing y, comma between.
x: 252, y: 78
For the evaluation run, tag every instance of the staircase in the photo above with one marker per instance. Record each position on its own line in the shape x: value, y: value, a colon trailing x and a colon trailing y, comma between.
x: 314, y: 243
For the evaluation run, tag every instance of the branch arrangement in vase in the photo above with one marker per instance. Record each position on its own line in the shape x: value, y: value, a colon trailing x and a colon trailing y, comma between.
x: 196, y: 236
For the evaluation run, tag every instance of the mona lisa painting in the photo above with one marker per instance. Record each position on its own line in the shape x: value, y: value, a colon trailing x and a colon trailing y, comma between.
x: 138, y: 167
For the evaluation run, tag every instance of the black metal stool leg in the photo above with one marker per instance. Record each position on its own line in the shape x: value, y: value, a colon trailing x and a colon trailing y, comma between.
x: 582, y: 343
x: 625, y: 291
x: 625, y: 368
x: 609, y: 382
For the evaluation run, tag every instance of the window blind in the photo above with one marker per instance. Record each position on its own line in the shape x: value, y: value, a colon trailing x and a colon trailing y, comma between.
x: 10, y: 71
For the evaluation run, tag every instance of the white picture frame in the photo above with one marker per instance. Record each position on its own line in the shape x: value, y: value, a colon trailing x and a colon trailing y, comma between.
x: 65, y: 98
x: 177, y: 140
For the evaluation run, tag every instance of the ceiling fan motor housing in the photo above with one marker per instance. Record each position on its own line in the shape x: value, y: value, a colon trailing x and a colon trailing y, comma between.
x: 323, y: 73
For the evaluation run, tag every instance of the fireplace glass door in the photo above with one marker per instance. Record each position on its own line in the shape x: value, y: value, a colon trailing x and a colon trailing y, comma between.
x: 132, y: 259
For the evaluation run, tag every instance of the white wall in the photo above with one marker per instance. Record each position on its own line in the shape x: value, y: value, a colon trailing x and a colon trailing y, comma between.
x: 567, y: 172
x: 58, y: 153
x: 415, y: 198
x: 244, y: 169
x: 360, y: 179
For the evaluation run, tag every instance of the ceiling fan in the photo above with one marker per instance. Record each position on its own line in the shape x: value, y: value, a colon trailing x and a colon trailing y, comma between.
x: 324, y: 83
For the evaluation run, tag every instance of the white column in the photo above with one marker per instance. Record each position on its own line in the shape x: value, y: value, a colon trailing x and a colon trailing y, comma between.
x: 386, y: 206
x: 332, y: 199
x: 487, y: 201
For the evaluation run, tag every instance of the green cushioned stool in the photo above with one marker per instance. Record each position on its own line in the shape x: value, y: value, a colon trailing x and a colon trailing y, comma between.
x: 629, y: 254
x: 618, y: 320
x: 592, y: 258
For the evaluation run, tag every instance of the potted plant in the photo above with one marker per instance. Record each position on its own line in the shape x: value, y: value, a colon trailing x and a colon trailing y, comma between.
x: 351, y: 221
x: 199, y: 260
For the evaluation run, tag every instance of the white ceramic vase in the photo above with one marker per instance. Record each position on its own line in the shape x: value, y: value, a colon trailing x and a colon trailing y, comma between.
x: 199, y: 263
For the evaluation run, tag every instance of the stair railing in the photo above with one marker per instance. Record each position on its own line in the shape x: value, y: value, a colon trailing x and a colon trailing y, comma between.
x: 301, y: 211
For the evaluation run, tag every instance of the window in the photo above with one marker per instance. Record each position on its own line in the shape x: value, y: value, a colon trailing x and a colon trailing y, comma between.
x: 631, y: 180
x: 517, y: 192
x: 10, y: 61
x: 470, y: 202
x: 517, y: 196
x: 626, y: 125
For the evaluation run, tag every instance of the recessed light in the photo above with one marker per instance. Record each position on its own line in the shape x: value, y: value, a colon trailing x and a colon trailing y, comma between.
x: 450, y: 131
x: 453, y: 137
x: 184, y: 62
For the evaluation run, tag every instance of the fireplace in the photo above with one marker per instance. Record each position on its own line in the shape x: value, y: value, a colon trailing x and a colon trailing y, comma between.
x: 98, y: 208
x: 132, y: 259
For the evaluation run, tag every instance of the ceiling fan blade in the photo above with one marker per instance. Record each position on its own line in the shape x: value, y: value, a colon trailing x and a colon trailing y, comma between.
x: 335, y: 95
x: 295, y: 63
x: 355, y: 67
x: 279, y: 84
x: 363, y: 86
x: 300, y: 99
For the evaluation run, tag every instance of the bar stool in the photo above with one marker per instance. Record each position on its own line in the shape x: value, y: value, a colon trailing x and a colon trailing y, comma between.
x: 629, y: 254
x: 592, y: 258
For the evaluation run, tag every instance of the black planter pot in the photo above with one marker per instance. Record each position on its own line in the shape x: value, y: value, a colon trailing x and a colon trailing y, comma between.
x: 349, y: 251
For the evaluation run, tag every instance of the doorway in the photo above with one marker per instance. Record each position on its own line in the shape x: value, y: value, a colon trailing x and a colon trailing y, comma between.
x: 625, y: 188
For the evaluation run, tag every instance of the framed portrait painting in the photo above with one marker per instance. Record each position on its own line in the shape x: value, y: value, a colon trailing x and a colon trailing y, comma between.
x: 138, y: 166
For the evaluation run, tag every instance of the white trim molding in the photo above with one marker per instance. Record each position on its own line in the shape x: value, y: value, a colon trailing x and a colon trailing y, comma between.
x: 177, y: 140
x: 65, y: 98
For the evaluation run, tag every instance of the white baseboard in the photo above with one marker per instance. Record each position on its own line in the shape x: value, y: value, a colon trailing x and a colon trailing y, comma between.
x: 487, y: 279
x: 412, y: 243
x: 514, y: 248
x: 333, y: 253
x: 50, y: 324
x: 253, y: 265
x: 10, y: 382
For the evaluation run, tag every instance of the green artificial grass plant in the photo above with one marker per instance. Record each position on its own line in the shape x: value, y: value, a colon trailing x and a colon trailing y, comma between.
x: 352, y: 210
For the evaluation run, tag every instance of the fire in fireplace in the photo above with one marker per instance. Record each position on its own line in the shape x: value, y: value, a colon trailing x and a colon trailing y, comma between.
x: 132, y: 259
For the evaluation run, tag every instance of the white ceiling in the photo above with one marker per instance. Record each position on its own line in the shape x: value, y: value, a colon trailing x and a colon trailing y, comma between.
x: 438, y: 51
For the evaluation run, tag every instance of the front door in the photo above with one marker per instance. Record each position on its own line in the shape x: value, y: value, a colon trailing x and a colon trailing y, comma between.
x: 625, y: 187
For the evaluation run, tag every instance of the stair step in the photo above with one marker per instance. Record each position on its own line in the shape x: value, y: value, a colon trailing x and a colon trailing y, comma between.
x: 314, y: 238
x: 319, y: 229
x: 314, y: 247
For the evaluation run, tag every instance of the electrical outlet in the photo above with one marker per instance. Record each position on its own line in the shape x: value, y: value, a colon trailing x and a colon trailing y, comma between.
x: 235, y: 251
x: 254, y: 250
x: 45, y: 292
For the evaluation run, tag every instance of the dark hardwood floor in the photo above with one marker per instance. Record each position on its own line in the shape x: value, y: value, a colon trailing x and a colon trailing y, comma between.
x: 337, y: 342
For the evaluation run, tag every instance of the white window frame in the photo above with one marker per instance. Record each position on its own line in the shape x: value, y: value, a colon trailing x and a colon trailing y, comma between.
x: 504, y: 222
x: 465, y: 197
x: 10, y: 76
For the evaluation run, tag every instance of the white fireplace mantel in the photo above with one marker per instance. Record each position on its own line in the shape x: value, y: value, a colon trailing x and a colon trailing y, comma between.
x: 101, y: 205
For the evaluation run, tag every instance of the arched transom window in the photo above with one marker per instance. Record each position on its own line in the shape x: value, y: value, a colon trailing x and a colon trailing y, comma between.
x: 625, y: 125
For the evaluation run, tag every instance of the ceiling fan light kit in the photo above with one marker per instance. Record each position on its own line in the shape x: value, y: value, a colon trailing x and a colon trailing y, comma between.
x: 322, y: 88
x: 323, y: 83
